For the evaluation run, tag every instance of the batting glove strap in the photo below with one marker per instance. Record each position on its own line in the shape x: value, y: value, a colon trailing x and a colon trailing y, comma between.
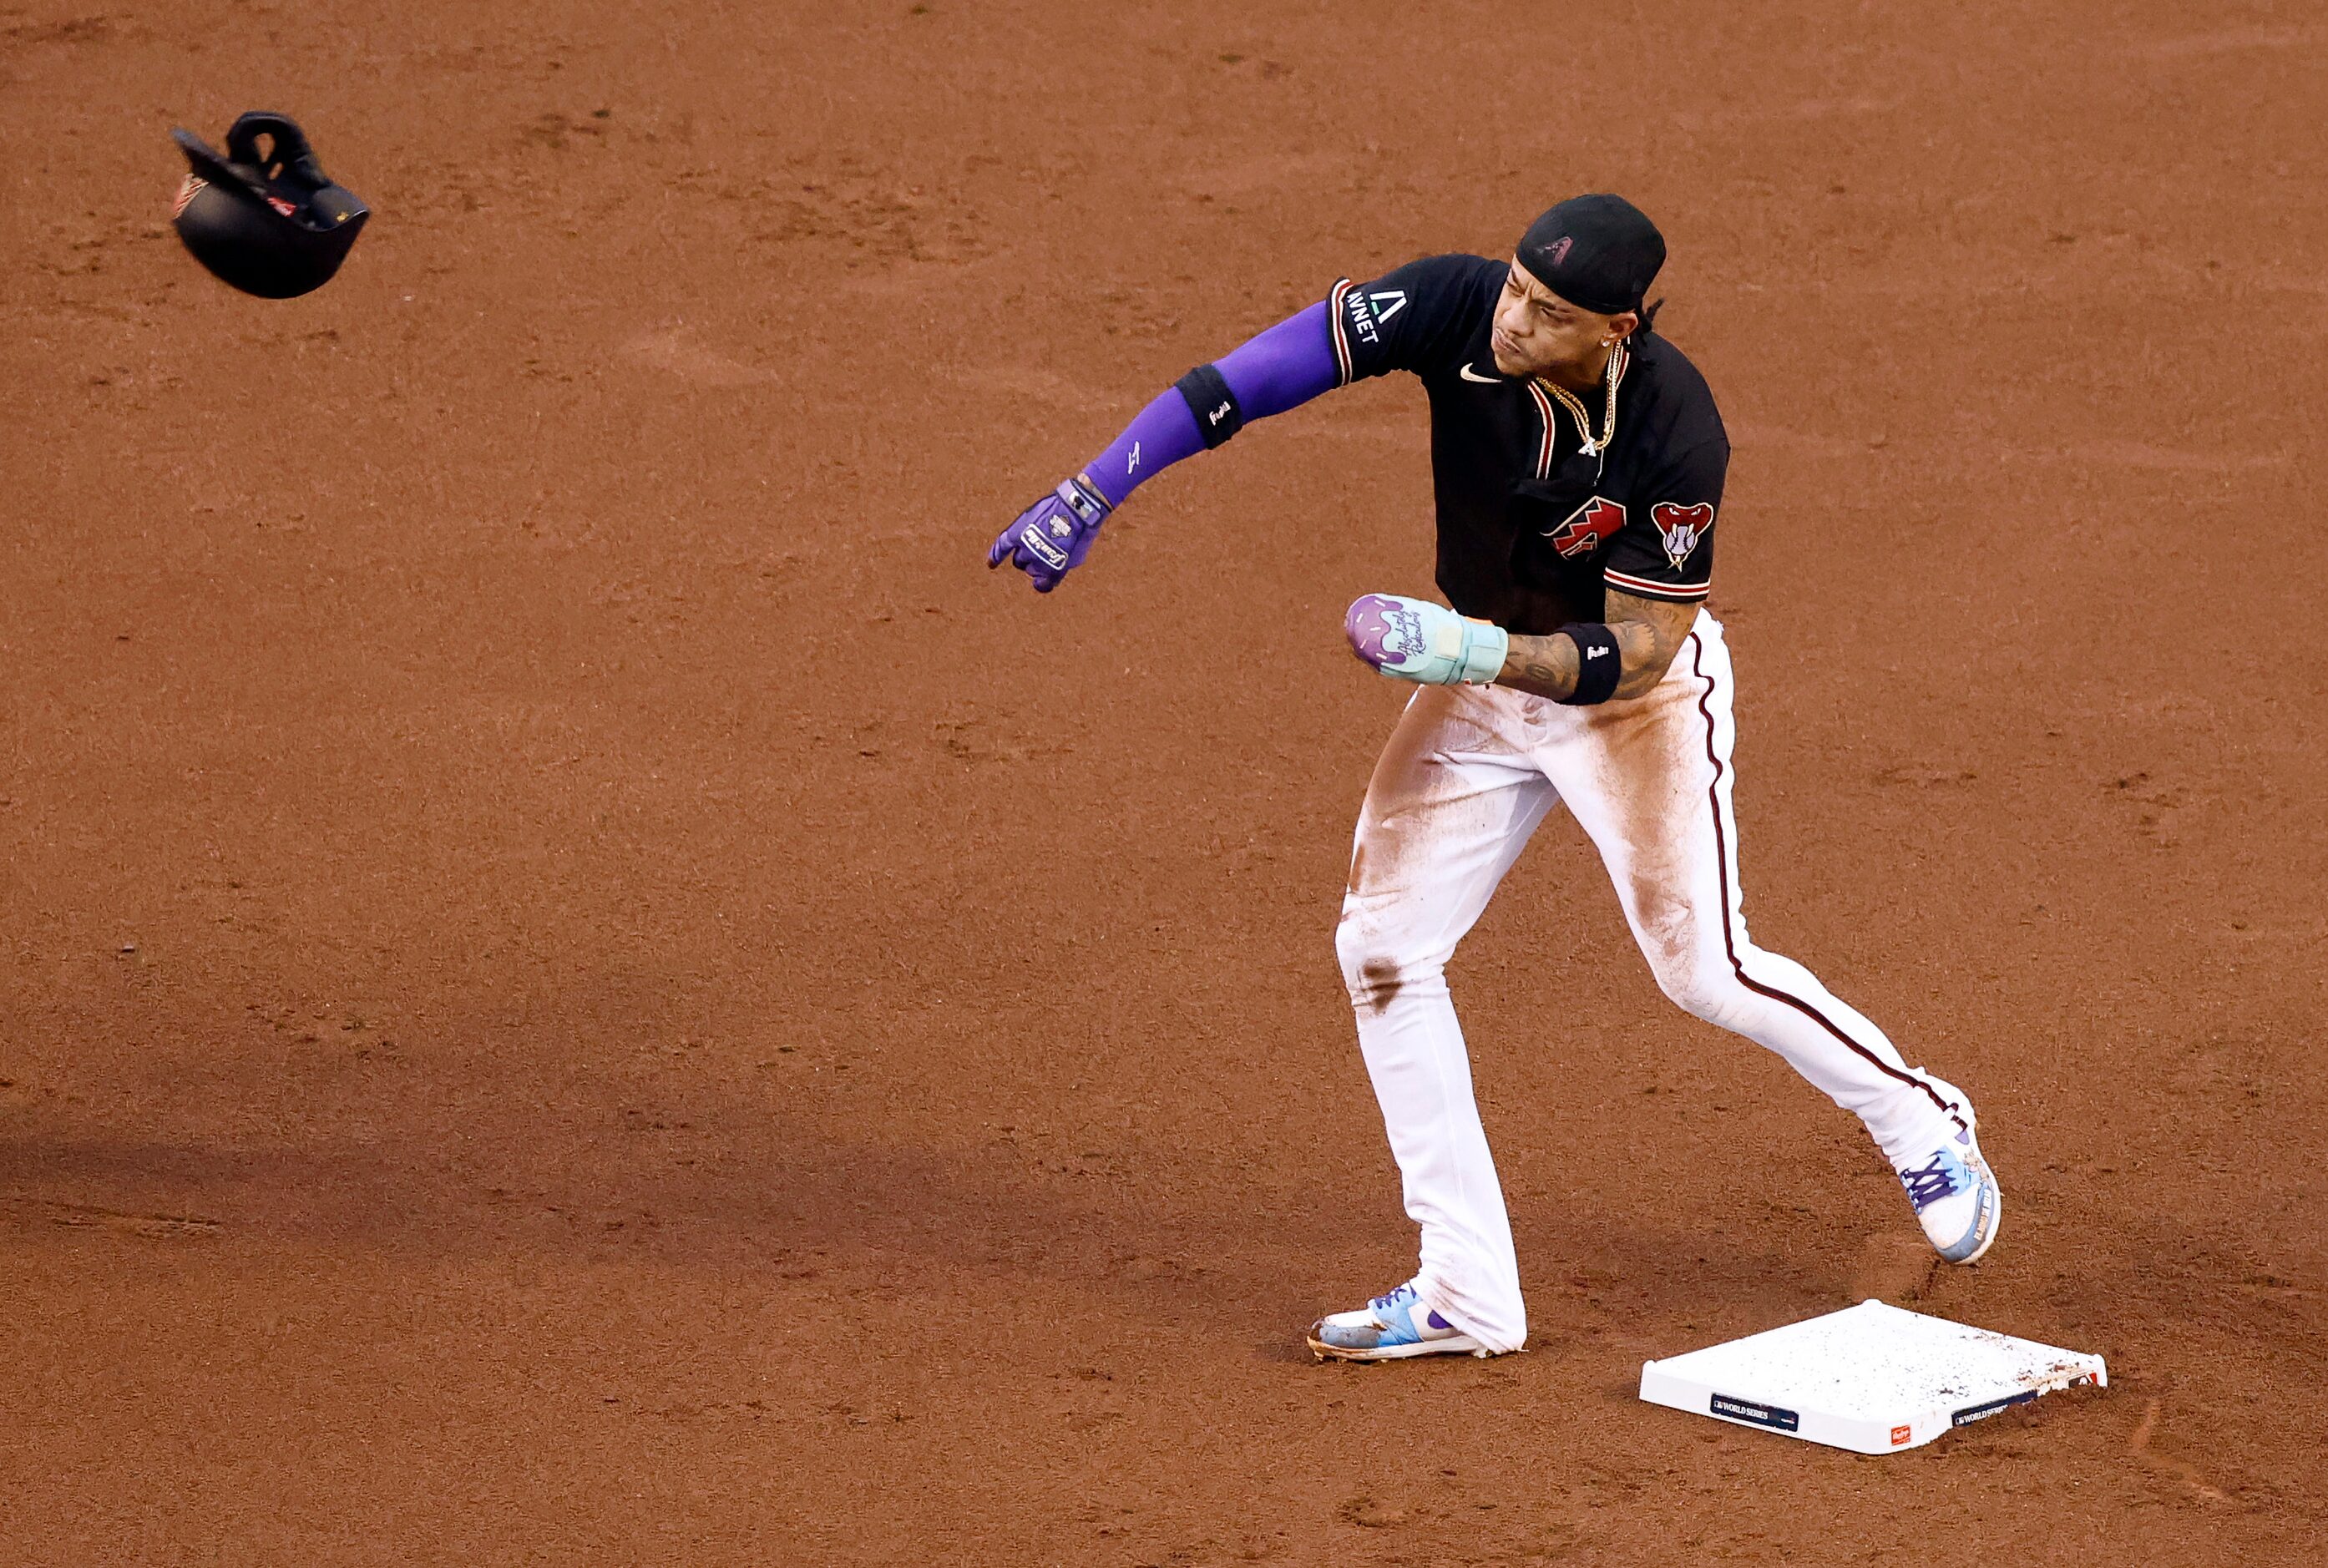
x: 1085, y: 501
x: 1429, y: 644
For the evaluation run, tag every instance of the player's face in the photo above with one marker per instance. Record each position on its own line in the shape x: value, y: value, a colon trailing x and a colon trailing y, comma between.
x: 1539, y: 334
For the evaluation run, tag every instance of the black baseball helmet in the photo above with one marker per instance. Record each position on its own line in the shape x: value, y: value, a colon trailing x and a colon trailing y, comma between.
x: 1599, y: 251
x: 271, y: 224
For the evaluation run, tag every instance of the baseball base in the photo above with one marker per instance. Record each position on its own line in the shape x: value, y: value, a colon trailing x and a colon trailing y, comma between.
x: 1871, y: 1378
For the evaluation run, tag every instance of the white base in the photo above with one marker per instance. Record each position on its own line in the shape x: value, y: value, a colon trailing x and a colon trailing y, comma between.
x: 1871, y: 1378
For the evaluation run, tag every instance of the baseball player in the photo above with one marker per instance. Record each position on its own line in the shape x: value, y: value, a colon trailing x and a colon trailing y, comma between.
x: 1577, y: 461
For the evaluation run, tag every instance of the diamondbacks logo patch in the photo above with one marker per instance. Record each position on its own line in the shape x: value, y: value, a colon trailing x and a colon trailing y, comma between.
x: 1679, y: 527
x: 1588, y: 527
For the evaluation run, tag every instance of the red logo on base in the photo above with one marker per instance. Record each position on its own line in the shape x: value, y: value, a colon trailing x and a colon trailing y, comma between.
x: 1588, y: 528
x: 1900, y: 1435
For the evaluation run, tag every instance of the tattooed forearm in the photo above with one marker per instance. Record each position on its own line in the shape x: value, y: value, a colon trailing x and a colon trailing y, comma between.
x: 1543, y: 666
x: 1649, y: 633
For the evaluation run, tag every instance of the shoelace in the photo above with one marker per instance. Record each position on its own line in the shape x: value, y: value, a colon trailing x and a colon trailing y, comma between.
x: 1404, y: 1293
x: 1432, y: 1323
x: 1934, y: 1182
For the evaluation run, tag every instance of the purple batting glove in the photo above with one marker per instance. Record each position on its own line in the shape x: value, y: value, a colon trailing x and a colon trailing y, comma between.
x: 1051, y: 537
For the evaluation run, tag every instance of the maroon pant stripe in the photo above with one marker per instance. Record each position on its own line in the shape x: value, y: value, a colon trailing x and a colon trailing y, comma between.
x: 1729, y: 942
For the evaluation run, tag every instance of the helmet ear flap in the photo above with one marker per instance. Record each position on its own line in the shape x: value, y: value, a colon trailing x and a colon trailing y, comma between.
x: 287, y: 152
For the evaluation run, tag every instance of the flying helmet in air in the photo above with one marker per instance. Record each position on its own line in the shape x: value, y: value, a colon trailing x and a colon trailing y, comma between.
x: 269, y: 221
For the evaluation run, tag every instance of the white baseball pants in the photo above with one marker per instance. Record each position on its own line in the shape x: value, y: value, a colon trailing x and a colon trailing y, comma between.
x: 1469, y: 773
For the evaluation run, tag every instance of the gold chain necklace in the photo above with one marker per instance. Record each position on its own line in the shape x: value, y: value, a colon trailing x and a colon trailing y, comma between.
x: 1575, y: 407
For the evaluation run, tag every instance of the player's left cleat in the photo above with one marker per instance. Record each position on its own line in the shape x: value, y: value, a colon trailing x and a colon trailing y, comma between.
x: 1956, y: 1197
x: 1390, y: 1328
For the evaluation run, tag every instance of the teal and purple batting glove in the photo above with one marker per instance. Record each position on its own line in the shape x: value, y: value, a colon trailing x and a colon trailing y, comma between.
x: 1429, y: 644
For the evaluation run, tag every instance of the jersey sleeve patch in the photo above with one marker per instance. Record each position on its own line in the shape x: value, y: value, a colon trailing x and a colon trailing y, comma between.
x: 1417, y: 318
x: 1667, y: 555
x: 1680, y: 528
x: 1362, y: 316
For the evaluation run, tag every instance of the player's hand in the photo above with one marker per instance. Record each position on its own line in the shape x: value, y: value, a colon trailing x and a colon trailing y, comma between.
x: 1429, y: 644
x: 1051, y: 537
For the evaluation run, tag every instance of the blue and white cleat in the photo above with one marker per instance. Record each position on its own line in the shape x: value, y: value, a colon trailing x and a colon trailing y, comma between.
x: 1956, y: 1197
x: 1390, y: 1328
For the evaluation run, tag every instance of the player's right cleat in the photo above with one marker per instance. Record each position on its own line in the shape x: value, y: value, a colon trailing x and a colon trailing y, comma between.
x: 1956, y: 1197
x: 1390, y: 1328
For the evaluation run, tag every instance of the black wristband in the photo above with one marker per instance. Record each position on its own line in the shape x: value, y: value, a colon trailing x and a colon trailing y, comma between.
x: 1600, y: 664
x: 1206, y: 392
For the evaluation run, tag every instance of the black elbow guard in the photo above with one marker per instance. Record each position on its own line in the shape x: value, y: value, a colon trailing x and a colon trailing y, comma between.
x: 1206, y: 392
x: 1599, y: 664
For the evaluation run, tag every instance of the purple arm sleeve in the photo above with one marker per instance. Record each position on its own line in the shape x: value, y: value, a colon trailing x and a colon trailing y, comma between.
x: 1159, y: 435
x: 1283, y: 368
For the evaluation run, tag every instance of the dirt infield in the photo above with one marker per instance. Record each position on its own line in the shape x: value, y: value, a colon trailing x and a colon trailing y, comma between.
x: 580, y: 984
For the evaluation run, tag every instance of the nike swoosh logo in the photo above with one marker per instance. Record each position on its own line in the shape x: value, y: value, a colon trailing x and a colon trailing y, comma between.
x: 1471, y: 375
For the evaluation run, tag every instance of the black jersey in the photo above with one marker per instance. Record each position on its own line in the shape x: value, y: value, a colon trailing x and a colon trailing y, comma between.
x: 1532, y: 531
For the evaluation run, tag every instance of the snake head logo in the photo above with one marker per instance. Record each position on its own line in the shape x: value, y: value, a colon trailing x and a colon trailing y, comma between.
x: 1588, y: 528
x: 1679, y: 527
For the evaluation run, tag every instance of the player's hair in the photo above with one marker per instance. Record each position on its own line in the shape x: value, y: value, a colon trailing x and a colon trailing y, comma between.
x: 1648, y: 314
